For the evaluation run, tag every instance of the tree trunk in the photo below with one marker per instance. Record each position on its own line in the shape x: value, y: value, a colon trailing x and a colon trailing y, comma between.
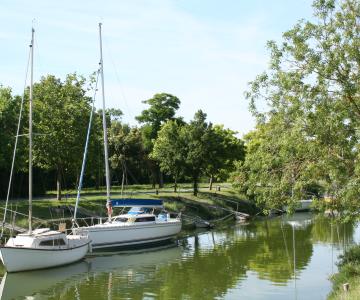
x: 161, y: 180
x: 97, y: 183
x: 152, y: 173
x: 195, y: 186
x: 175, y: 185
x: 211, y: 182
x: 77, y: 180
x: 58, y: 185
x: 153, y: 179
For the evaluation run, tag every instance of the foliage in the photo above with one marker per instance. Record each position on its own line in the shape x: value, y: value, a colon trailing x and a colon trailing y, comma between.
x: 127, y: 153
x: 196, y: 136
x: 349, y: 272
x: 162, y: 108
x: 169, y: 150
x: 309, y: 133
x: 61, y: 116
x: 9, y: 114
x: 225, y: 148
x: 352, y: 255
x: 61, y: 111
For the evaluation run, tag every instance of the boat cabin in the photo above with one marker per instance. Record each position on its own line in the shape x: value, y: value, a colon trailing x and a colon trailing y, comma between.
x: 39, y: 238
x: 132, y: 218
x: 143, y: 211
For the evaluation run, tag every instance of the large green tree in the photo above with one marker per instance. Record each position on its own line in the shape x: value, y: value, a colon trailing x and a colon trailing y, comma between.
x: 9, y: 114
x: 169, y: 150
x: 310, y: 132
x: 196, y: 136
x: 61, y: 115
x: 224, y: 149
x: 162, y: 107
x: 126, y: 152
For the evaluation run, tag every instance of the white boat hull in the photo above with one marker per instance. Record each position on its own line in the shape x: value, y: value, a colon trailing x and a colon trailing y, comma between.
x: 304, y: 205
x: 118, y: 235
x: 16, y: 259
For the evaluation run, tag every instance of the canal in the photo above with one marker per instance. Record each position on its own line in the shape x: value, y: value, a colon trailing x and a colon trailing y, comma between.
x: 281, y: 258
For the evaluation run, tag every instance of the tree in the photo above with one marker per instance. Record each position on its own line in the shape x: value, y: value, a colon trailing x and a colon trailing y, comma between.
x: 278, y: 167
x: 310, y: 132
x: 169, y: 150
x: 61, y: 114
x: 224, y: 149
x: 9, y: 114
x: 196, y: 136
x: 162, y: 108
x: 126, y: 151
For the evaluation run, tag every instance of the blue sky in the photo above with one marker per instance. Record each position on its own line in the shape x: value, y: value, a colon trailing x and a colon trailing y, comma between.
x: 203, y: 51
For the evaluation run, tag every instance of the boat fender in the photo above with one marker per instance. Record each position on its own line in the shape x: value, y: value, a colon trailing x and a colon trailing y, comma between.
x: 90, y: 250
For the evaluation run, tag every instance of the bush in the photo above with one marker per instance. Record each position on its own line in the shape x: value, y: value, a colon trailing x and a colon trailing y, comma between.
x: 351, y: 256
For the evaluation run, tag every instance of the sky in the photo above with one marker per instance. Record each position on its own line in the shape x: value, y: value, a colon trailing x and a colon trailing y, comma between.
x: 202, y: 51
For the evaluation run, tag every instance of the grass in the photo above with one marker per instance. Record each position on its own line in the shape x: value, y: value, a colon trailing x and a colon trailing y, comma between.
x: 204, y: 205
x: 349, y: 272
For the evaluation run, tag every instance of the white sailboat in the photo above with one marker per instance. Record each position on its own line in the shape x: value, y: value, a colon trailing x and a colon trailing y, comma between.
x: 40, y: 248
x: 60, y: 281
x: 140, y: 225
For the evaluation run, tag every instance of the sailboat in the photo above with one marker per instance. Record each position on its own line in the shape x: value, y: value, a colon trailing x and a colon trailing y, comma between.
x: 140, y: 225
x: 40, y: 248
x: 62, y: 281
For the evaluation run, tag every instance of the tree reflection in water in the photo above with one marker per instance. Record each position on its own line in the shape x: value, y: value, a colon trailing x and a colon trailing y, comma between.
x: 204, y: 266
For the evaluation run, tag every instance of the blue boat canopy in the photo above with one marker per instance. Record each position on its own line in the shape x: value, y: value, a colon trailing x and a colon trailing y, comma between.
x: 136, y: 203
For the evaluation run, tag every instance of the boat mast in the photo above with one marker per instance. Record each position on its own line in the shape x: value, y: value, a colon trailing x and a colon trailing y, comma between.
x: 106, y: 156
x: 30, y: 127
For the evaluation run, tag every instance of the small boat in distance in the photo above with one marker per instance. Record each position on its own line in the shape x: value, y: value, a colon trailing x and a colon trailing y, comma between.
x: 301, y: 205
x: 39, y: 248
x: 140, y: 225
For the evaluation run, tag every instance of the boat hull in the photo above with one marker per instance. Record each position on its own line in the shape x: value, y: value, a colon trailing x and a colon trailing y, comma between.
x: 114, y: 235
x: 16, y: 259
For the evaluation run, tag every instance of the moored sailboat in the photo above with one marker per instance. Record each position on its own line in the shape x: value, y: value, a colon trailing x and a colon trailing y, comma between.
x: 140, y: 225
x: 40, y: 248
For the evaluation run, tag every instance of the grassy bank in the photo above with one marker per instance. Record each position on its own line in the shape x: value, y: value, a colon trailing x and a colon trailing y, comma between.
x: 208, y: 205
x: 349, y: 272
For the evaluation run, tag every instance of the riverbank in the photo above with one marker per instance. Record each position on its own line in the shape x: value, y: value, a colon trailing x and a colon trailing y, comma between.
x: 346, y: 283
x: 209, y: 205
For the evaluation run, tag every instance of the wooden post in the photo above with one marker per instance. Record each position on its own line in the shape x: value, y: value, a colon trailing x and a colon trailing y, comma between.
x: 346, y: 287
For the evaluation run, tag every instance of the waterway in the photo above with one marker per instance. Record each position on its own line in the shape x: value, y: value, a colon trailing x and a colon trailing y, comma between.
x: 281, y: 258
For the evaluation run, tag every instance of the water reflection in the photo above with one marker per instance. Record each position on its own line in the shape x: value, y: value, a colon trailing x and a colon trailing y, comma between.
x: 217, y: 264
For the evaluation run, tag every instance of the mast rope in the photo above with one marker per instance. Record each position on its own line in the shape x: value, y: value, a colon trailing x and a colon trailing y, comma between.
x: 119, y: 82
x: 86, y: 148
x: 15, y: 146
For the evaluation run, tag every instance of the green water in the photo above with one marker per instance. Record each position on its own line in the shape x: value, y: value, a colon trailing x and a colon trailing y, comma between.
x: 254, y: 261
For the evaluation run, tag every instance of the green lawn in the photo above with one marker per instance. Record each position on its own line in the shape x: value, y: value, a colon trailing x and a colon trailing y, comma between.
x: 205, y: 205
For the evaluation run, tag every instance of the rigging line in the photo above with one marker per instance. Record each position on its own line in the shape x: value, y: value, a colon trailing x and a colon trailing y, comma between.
x: 131, y: 114
x: 39, y: 64
x: 15, y: 146
x: 19, y: 213
x: 86, y: 147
